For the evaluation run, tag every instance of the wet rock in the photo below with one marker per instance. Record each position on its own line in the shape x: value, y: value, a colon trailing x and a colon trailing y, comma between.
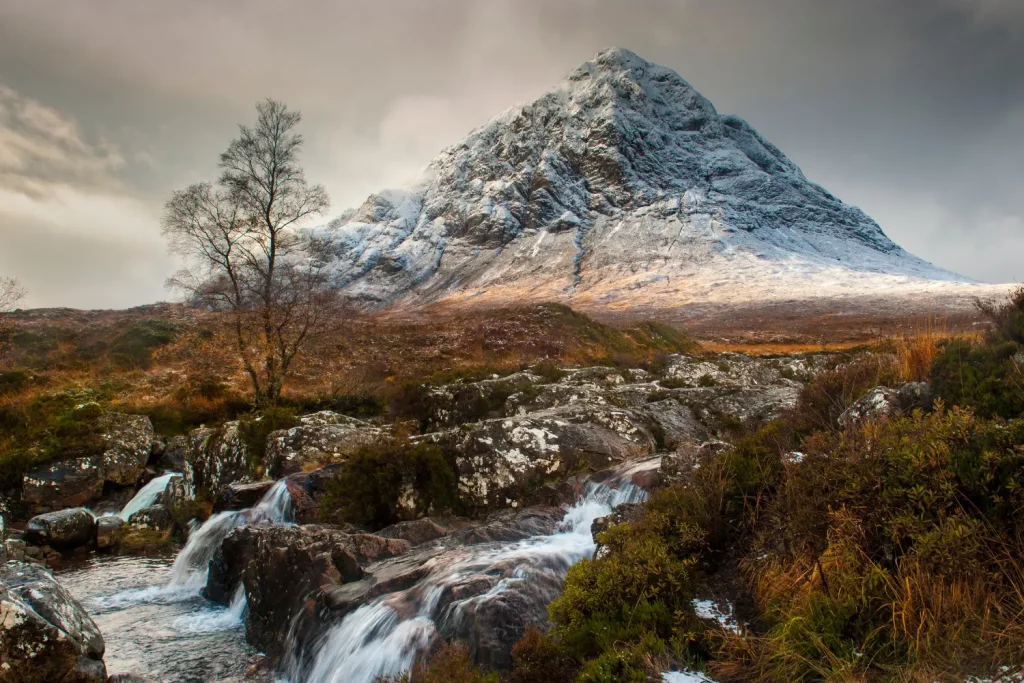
x: 64, y: 529
x: 282, y: 566
x: 73, y: 482
x: 240, y: 496
x: 307, y: 490
x: 627, y: 512
x: 3, y: 545
x: 107, y: 529
x: 420, y: 531
x: 215, y: 458
x: 15, y: 549
x: 45, y: 634
x: 154, y: 517
x: 325, y: 437
x: 176, y: 493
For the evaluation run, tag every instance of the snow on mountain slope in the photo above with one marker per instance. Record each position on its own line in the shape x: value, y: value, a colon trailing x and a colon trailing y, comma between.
x: 621, y: 189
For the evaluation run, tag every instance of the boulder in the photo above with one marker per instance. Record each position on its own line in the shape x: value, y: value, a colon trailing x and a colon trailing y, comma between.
x: 15, y: 549
x: 675, y: 423
x: 107, y: 528
x: 64, y: 529
x: 323, y: 438
x: 215, y: 458
x: 68, y: 483
x: 505, y: 462
x: 241, y: 496
x: 884, y: 402
x: 282, y: 566
x: 173, y: 456
x: 154, y: 517
x: 424, y: 530
x: 45, y: 634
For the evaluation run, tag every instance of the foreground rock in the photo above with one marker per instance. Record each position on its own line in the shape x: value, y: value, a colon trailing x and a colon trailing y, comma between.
x: 45, y: 634
x: 108, y: 529
x: 281, y: 566
x: 65, y: 529
x: 68, y: 483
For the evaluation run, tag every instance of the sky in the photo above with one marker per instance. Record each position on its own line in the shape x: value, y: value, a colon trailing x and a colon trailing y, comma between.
x: 911, y: 109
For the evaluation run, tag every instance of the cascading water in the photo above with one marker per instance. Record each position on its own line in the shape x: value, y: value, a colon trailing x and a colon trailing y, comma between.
x: 147, y: 495
x: 193, y: 563
x: 386, y: 635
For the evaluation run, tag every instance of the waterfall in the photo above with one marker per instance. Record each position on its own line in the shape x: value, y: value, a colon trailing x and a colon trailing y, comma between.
x: 147, y: 495
x: 192, y: 565
x: 385, y: 636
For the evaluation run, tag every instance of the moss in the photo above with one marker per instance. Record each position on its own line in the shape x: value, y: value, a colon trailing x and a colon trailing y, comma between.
x: 983, y: 377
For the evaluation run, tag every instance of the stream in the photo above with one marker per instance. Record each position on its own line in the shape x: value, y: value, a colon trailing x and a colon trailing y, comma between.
x: 156, y: 623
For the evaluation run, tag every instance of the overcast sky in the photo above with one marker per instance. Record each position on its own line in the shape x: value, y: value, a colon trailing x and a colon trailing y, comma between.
x: 911, y: 109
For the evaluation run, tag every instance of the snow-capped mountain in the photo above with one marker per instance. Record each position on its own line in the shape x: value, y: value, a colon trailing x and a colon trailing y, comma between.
x: 623, y: 188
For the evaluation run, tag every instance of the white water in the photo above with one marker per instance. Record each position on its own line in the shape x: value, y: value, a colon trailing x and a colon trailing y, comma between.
x: 192, y: 566
x: 386, y: 635
x: 147, y: 495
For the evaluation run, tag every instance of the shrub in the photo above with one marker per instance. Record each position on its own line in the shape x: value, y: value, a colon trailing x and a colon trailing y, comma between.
x: 134, y: 347
x: 538, y: 658
x: 830, y: 393
x: 253, y: 429
x: 374, y: 484
x: 984, y: 377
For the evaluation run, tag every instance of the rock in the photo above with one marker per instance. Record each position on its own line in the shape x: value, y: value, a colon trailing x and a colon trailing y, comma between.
x: 15, y: 549
x: 676, y: 423
x: 64, y: 529
x: 129, y: 441
x: 884, y: 402
x: 154, y: 517
x: 107, y: 528
x: 73, y: 482
x: 451, y: 405
x: 173, y: 457
x: 424, y: 530
x: 627, y: 512
x: 176, y: 493
x: 503, y: 462
x: 307, y: 489
x: 281, y: 566
x: 678, y: 467
x: 324, y: 438
x: 45, y: 634
x: 915, y: 395
x: 240, y: 496
x: 215, y: 458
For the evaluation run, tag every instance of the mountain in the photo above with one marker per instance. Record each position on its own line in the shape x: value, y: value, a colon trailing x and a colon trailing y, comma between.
x: 621, y: 190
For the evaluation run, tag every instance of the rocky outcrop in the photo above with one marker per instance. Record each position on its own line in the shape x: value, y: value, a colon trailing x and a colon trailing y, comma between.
x: 506, y: 462
x: 323, y: 438
x: 76, y: 481
x: 282, y: 566
x: 64, y: 529
x: 215, y: 458
x: 885, y: 401
x: 45, y: 634
x: 454, y: 404
x: 678, y: 466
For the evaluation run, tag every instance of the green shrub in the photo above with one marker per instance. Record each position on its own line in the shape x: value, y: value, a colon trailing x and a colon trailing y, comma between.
x: 13, y: 381
x: 450, y: 664
x: 538, y: 658
x: 983, y: 377
x: 253, y: 429
x: 371, y: 484
x: 134, y: 347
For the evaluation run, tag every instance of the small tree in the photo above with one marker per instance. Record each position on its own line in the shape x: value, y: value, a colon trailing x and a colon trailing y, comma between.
x: 245, y: 253
x: 11, y: 293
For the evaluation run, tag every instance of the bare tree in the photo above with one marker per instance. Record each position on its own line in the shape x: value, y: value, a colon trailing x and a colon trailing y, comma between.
x: 245, y: 253
x: 11, y: 293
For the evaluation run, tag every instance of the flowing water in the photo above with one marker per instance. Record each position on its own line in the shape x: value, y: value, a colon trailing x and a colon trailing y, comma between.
x: 156, y: 623
x: 147, y: 495
x: 151, y: 613
x: 386, y: 635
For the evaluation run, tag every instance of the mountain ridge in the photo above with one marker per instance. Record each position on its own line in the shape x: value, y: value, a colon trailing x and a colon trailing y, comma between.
x: 623, y: 187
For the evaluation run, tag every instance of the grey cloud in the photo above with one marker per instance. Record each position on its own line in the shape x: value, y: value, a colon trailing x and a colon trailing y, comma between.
x: 893, y: 106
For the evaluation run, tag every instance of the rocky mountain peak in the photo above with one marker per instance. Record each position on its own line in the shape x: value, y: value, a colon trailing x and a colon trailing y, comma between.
x: 622, y: 168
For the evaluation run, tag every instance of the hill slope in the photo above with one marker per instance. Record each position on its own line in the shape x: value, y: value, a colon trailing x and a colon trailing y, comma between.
x: 622, y: 190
